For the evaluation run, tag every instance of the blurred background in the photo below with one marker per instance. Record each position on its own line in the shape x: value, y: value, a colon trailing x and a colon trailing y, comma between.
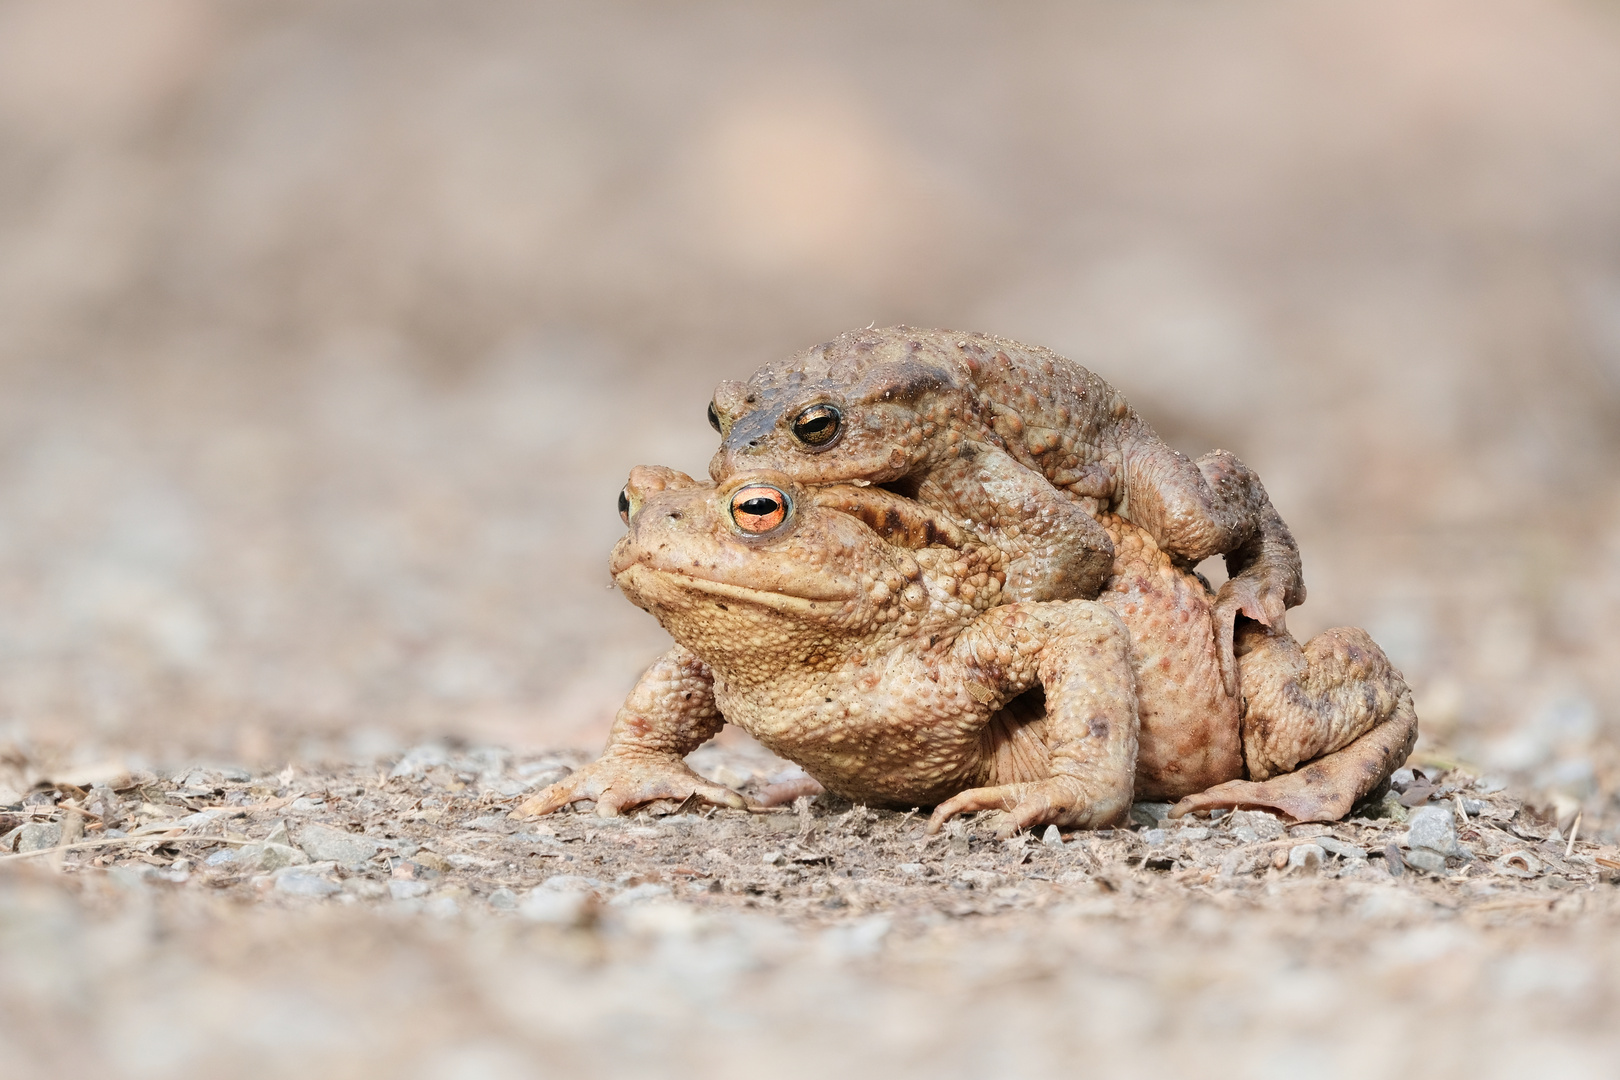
x: 329, y: 331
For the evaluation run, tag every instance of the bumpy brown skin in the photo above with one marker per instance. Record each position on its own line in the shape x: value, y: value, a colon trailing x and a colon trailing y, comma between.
x: 880, y: 668
x: 1025, y: 444
x: 866, y: 639
x: 1319, y: 728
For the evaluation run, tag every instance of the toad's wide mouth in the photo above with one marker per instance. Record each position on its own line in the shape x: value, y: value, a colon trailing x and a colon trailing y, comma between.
x: 638, y: 576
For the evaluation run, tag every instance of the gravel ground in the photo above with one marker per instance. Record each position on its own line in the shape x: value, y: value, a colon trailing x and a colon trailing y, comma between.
x: 396, y: 918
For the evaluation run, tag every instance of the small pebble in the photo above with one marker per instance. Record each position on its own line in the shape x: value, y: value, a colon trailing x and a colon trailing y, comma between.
x: 1154, y: 837
x: 1052, y: 837
x: 1334, y: 846
x: 1393, y: 860
x: 1426, y: 859
x: 1265, y: 826
x: 39, y: 835
x: 299, y: 882
x: 1306, y: 858
x: 325, y: 844
x: 553, y: 908
x: 641, y: 894
x: 503, y: 900
x: 1149, y: 814
x: 1433, y: 828
x: 406, y: 889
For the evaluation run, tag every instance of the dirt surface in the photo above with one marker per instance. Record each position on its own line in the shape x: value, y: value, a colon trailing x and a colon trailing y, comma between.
x: 396, y: 919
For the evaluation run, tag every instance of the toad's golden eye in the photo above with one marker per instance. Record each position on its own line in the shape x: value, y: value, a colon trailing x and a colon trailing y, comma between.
x: 758, y: 508
x: 818, y: 425
x: 714, y: 417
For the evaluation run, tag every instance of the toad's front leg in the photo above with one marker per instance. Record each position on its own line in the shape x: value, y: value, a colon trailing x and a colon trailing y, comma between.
x: 669, y: 713
x: 1078, y: 652
x: 1058, y: 550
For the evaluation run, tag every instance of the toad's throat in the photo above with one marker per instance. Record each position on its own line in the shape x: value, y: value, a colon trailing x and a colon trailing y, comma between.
x: 776, y: 601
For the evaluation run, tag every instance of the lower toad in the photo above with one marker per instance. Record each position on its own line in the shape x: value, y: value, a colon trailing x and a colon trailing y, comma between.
x: 864, y: 637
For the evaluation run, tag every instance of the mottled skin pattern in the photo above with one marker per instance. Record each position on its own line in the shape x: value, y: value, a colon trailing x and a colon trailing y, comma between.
x: 1335, y: 706
x: 868, y: 639
x: 878, y: 667
x: 1025, y: 444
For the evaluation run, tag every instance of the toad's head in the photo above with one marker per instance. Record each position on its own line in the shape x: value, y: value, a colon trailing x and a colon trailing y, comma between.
x: 759, y: 572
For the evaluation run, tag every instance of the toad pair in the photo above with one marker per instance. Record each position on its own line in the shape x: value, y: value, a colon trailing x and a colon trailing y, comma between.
x: 947, y: 570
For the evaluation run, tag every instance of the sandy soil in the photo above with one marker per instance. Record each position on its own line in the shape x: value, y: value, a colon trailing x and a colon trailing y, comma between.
x: 399, y: 919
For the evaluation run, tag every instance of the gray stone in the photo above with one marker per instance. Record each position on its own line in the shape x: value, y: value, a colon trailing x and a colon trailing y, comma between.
x: 641, y: 894
x: 570, y: 883
x: 1306, y: 858
x: 39, y: 835
x: 912, y: 869
x: 1193, y: 832
x: 488, y: 823
x: 405, y: 889
x: 1245, y: 835
x: 221, y: 857
x: 555, y: 908
x: 1389, y: 808
x: 503, y: 900
x: 296, y: 881
x: 1422, y: 858
x: 418, y: 759
x: 266, y: 856
x: 1154, y: 837
x: 1433, y: 828
x: 1335, y: 846
x: 1149, y: 814
x: 325, y: 844
x: 1052, y: 837
x: 1265, y: 826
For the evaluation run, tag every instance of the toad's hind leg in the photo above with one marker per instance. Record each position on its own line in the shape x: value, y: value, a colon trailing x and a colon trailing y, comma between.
x: 1323, y: 725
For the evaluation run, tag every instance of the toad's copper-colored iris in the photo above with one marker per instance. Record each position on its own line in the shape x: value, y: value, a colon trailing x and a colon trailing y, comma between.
x: 758, y: 508
x: 818, y: 425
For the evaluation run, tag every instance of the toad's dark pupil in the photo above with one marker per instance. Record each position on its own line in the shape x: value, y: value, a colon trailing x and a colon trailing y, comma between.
x: 624, y: 504
x: 714, y: 417
x: 760, y: 507
x: 817, y: 425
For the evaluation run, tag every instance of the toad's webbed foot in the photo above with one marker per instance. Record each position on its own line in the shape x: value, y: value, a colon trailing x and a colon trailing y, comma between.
x: 1058, y: 800
x: 784, y: 792
x: 1258, y: 599
x: 619, y: 781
